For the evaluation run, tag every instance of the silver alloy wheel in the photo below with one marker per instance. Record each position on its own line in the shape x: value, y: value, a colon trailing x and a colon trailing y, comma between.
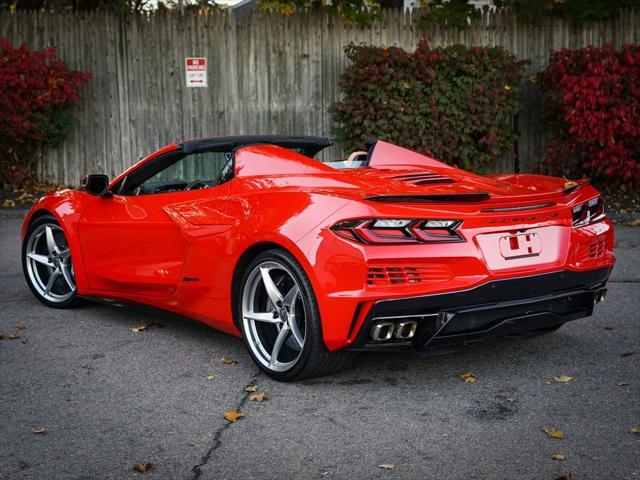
x: 274, y: 316
x: 48, y: 261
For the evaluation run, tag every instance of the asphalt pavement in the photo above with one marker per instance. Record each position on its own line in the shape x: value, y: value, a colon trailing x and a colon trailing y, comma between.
x: 106, y: 399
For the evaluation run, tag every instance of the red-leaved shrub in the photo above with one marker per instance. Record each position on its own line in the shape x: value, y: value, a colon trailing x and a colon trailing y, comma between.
x: 36, y: 93
x: 592, y: 99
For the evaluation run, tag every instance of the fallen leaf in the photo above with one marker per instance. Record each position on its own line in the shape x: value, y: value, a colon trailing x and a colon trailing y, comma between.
x: 622, y: 383
x: 563, y: 378
x: 563, y: 476
x: 634, y: 223
x: 548, y: 382
x: 259, y: 397
x: 558, y: 456
x: 228, y: 361
x: 143, y: 467
x: 142, y: 328
x: 635, y: 430
x: 387, y: 466
x: 39, y: 430
x: 15, y: 336
x: 233, y: 415
x: 21, y: 326
x: 211, y: 377
x: 608, y: 328
x: 251, y: 389
x: 1, y: 335
x: 627, y: 354
x: 553, y: 432
x: 468, y: 377
x: 324, y: 472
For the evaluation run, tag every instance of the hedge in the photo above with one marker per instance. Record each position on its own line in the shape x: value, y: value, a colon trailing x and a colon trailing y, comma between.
x: 455, y: 103
x: 592, y: 103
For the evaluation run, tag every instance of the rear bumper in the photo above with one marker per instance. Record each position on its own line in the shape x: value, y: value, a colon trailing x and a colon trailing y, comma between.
x: 501, y: 308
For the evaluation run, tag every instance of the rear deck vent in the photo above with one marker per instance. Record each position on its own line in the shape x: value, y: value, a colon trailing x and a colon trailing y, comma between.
x: 423, y: 179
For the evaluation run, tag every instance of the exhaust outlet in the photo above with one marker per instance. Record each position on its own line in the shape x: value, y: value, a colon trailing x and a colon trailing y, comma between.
x: 383, y: 331
x: 406, y: 330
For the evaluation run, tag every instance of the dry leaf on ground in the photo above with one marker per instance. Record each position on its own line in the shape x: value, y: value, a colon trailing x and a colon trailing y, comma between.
x: 143, y: 467
x: 211, y: 377
x: 634, y: 223
x: 251, y: 389
x: 635, y: 430
x: 15, y: 336
x: 553, y: 432
x: 622, y: 383
x: 228, y: 361
x: 259, y: 397
x: 233, y: 415
x: 558, y: 456
x: 563, y: 476
x: 563, y: 378
x: 39, y: 430
x: 468, y: 377
x: 142, y: 328
x: 1, y: 335
x: 21, y: 326
x: 387, y: 466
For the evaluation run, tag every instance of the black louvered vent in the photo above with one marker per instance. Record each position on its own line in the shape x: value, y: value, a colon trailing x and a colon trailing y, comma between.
x: 423, y: 178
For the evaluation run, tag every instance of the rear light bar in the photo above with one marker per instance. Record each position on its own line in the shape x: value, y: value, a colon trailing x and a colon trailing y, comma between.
x: 588, y: 212
x: 386, y: 231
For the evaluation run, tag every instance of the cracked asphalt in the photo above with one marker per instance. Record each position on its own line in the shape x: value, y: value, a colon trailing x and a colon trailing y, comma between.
x: 109, y: 398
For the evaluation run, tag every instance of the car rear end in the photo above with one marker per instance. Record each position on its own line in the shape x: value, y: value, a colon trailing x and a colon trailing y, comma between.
x: 425, y: 272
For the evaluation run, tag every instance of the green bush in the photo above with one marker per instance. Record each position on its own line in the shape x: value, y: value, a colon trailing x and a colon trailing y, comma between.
x: 455, y: 103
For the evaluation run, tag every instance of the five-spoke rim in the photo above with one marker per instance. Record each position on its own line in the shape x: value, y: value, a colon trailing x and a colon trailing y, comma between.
x: 49, y: 266
x: 274, y: 316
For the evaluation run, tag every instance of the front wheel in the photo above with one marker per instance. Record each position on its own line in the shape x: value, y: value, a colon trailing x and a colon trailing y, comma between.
x: 280, y: 320
x: 46, y: 262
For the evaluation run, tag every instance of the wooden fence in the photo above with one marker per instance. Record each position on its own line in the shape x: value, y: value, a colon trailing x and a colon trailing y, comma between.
x: 268, y: 74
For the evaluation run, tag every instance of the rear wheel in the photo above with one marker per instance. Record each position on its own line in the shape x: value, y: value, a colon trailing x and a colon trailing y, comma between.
x: 47, y: 265
x: 280, y: 320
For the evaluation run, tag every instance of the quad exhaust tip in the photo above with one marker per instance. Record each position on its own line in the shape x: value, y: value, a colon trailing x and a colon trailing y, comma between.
x: 386, y: 330
x: 599, y: 296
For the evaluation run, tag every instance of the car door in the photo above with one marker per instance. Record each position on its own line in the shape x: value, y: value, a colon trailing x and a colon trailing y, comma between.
x: 133, y: 242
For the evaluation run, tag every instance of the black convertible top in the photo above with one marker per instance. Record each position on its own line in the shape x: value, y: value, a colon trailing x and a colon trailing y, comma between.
x: 307, y: 145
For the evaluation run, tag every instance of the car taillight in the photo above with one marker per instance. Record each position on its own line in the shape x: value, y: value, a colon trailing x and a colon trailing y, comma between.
x: 384, y: 231
x: 588, y: 212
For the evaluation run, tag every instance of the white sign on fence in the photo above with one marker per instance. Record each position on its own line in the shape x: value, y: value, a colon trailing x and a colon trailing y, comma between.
x: 196, y: 69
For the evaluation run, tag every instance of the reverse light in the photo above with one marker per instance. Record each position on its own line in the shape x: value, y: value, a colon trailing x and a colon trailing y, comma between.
x: 390, y: 223
x: 398, y: 230
x: 588, y: 212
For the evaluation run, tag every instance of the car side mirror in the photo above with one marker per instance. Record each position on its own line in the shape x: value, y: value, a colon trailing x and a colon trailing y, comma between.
x: 96, y: 184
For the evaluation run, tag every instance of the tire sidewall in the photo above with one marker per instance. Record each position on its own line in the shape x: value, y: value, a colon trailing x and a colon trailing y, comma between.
x: 313, y: 331
x: 45, y: 219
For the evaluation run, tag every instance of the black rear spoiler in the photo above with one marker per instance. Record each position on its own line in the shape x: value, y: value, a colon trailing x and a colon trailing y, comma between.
x: 434, y: 198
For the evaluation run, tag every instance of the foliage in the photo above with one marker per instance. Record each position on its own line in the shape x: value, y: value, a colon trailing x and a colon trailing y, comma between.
x: 362, y: 12
x: 455, y: 103
x: 453, y: 13
x: 37, y: 93
x: 592, y: 99
x: 576, y: 10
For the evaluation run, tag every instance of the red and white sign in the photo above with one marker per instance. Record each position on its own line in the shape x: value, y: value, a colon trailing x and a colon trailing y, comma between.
x: 196, y: 69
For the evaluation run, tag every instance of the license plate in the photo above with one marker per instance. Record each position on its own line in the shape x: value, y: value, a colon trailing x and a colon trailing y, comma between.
x: 520, y: 246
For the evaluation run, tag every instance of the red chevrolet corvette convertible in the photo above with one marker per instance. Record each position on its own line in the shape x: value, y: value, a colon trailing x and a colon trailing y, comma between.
x: 310, y: 261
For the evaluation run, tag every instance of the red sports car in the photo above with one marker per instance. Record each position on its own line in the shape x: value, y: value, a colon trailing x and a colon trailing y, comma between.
x: 311, y: 261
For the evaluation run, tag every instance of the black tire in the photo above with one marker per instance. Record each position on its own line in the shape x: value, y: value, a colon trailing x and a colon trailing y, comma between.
x: 314, y: 360
x: 37, y: 224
